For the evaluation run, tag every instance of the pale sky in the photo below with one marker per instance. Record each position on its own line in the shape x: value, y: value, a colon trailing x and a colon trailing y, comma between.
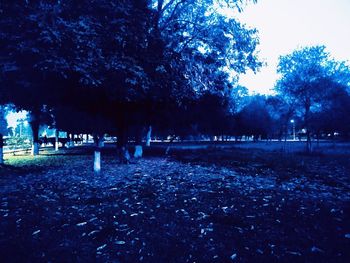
x: 13, y: 117
x: 285, y: 25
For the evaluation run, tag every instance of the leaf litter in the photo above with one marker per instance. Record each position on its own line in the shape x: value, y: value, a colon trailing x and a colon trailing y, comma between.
x: 165, y: 210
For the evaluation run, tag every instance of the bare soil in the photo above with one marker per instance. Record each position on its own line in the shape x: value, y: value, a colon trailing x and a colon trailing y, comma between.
x: 207, y: 205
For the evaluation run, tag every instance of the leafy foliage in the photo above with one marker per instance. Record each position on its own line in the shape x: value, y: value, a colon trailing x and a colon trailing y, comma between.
x: 123, y: 60
x: 254, y: 119
x: 3, y: 122
x: 310, y: 80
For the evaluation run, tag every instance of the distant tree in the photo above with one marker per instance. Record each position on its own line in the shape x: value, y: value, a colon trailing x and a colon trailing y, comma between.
x: 202, y: 116
x: 334, y: 114
x: 237, y: 98
x: 254, y: 119
x: 281, y: 113
x: 212, y: 115
x: 304, y: 82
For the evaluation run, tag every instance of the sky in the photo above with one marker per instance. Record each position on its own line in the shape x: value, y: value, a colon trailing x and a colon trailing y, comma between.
x: 285, y: 25
x: 12, y: 117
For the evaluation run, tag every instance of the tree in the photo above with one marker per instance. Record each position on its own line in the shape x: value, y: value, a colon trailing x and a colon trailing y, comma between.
x: 153, y: 63
x: 281, y: 113
x: 334, y: 114
x: 200, y: 47
x: 305, y: 80
x: 3, y: 131
x: 30, y: 58
x: 254, y: 119
x: 67, y: 44
x: 136, y: 55
x: 202, y: 42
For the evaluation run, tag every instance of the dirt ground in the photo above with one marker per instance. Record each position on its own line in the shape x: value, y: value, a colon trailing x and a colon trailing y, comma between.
x: 214, y: 205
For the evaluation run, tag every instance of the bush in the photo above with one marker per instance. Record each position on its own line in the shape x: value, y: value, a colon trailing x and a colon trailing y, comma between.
x: 17, y: 142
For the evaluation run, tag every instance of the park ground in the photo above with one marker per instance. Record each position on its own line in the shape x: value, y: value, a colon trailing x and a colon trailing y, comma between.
x: 193, y: 205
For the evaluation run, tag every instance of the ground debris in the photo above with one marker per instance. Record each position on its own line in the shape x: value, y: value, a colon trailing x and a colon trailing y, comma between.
x: 316, y: 250
x: 150, y: 217
x: 81, y: 224
x: 101, y: 247
x: 36, y: 232
x: 295, y: 253
x: 233, y: 256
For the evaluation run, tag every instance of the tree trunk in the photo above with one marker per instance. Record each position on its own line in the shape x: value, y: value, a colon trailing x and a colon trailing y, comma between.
x: 308, y: 141
x: 333, y: 140
x: 97, y: 153
x: 1, y: 149
x: 34, y: 123
x: 123, y: 153
x: 148, y: 137
x: 285, y: 141
x: 306, y: 119
x: 138, y: 144
x: 56, y: 139
x: 138, y: 151
x: 101, y: 141
x: 97, y: 160
x: 71, y: 140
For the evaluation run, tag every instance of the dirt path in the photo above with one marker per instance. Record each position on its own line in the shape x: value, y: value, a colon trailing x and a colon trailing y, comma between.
x: 162, y: 210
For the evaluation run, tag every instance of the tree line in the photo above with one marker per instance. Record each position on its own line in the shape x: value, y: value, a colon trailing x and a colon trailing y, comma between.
x: 129, y: 68
x: 116, y: 66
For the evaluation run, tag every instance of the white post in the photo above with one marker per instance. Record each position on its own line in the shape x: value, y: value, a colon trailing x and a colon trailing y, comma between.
x: 101, y: 142
x: 148, y: 137
x: 56, y: 145
x: 293, y: 123
x: 97, y: 161
x: 35, y: 148
x: 138, y: 151
x: 56, y: 140
x: 71, y: 140
x: 294, y: 131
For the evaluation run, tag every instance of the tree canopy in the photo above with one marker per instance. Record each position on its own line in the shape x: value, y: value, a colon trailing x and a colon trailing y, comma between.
x: 309, y: 79
x: 119, y: 65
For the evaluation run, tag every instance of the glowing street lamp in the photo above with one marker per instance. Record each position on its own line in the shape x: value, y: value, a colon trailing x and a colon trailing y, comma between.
x: 293, y: 122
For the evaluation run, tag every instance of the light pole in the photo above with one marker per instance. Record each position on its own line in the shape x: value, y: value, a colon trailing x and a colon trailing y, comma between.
x: 293, y: 123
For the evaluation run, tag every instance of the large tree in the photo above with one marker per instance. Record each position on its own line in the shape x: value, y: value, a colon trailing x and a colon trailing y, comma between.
x: 204, y: 49
x: 157, y: 54
x: 140, y: 55
x: 31, y: 58
x: 307, y: 78
x: 52, y: 49
x: 203, y: 42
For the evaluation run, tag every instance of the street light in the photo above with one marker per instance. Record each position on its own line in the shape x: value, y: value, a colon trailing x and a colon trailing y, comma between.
x: 293, y: 122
